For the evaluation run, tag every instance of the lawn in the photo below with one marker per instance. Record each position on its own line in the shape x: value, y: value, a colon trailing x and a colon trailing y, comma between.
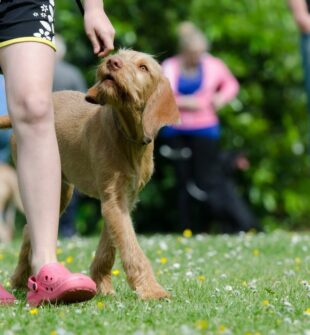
x: 246, y: 284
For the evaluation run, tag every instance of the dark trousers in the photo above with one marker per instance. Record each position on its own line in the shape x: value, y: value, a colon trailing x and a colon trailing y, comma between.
x: 204, y: 168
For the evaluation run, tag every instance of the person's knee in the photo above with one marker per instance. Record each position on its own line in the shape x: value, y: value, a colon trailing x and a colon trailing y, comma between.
x: 32, y: 110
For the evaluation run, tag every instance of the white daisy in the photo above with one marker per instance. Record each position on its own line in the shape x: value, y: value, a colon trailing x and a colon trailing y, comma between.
x: 35, y: 14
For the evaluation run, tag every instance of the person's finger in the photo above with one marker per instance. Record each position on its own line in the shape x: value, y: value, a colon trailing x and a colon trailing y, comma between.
x: 94, y: 41
x: 105, y: 52
x: 106, y: 49
x: 106, y: 41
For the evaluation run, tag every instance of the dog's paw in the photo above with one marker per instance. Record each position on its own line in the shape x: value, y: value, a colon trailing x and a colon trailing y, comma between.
x: 105, y: 287
x: 153, y: 294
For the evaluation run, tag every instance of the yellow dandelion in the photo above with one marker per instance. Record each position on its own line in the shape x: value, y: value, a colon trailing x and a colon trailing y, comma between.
x: 59, y: 251
x: 265, y: 302
x: 69, y: 259
x: 201, y: 278
x: 53, y: 332
x: 100, y: 305
x: 34, y: 311
x: 221, y: 328
x: 256, y: 252
x: 62, y: 315
x: 116, y: 272
x: 251, y: 232
x: 201, y: 324
x: 187, y: 233
x: 307, y: 312
x: 297, y: 260
x: 1, y: 257
x: 163, y: 260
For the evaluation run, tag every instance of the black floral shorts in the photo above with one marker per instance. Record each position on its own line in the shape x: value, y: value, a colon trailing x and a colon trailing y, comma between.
x: 27, y: 21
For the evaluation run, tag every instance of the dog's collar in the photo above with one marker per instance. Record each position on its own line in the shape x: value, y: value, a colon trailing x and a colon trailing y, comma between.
x: 123, y: 133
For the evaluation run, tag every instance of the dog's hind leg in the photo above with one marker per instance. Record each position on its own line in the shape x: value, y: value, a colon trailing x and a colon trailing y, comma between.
x: 66, y: 195
x: 103, y: 263
x: 23, y: 269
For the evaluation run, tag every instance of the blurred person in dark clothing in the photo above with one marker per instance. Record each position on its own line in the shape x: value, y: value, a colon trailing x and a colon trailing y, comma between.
x: 202, y: 84
x: 67, y: 77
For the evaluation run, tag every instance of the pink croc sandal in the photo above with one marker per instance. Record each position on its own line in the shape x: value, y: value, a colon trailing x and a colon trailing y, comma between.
x: 5, y: 297
x: 54, y: 284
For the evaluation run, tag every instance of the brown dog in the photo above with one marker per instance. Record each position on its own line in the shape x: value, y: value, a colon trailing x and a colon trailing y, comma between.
x: 9, y: 201
x: 107, y: 153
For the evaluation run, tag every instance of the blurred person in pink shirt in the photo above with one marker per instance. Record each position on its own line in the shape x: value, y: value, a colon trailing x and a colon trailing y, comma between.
x: 202, y: 84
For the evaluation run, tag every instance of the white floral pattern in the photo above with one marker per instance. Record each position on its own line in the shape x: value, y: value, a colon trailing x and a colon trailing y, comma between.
x: 47, y: 27
x: 43, y: 34
x: 44, y: 8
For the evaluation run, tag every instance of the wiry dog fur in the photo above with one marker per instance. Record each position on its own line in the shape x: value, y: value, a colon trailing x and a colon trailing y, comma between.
x: 106, y: 151
x: 9, y: 201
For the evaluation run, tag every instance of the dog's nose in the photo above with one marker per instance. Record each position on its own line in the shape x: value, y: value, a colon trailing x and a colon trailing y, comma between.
x: 114, y: 63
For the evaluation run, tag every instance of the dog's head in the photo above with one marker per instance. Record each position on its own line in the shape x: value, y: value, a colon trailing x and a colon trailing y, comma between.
x: 133, y: 81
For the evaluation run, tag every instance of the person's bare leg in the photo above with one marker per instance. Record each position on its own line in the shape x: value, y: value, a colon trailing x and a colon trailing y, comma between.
x: 28, y: 70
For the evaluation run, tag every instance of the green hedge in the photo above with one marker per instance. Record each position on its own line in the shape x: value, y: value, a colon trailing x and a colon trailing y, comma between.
x: 259, y: 42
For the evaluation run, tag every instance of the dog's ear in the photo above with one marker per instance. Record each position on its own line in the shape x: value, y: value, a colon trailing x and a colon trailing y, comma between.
x: 160, y: 110
x: 92, y: 95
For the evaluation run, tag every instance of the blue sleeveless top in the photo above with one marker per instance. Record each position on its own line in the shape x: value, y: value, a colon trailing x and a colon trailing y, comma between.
x: 190, y: 84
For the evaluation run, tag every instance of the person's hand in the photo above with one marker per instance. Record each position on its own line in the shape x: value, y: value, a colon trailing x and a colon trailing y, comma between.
x: 100, y: 31
x: 301, y: 15
x: 218, y: 102
x: 189, y: 102
x: 242, y: 163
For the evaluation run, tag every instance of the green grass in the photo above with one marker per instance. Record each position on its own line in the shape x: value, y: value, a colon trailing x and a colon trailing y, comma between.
x: 246, y: 284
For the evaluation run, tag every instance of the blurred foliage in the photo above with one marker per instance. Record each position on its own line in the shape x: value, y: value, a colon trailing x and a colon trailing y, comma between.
x: 259, y: 42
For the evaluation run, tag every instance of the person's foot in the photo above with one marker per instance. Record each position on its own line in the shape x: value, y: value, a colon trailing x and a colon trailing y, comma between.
x: 55, y: 284
x: 6, y: 298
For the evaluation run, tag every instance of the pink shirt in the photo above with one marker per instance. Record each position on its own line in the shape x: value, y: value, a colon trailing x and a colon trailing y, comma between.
x: 216, y: 79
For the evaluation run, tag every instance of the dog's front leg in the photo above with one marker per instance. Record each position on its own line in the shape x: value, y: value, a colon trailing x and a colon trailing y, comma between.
x: 103, y: 263
x: 138, y: 269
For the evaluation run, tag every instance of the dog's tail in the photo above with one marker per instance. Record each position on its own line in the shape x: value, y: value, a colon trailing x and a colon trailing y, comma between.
x: 5, y: 122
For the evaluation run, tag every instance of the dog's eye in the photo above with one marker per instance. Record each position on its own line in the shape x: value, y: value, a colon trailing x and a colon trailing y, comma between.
x: 143, y: 68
